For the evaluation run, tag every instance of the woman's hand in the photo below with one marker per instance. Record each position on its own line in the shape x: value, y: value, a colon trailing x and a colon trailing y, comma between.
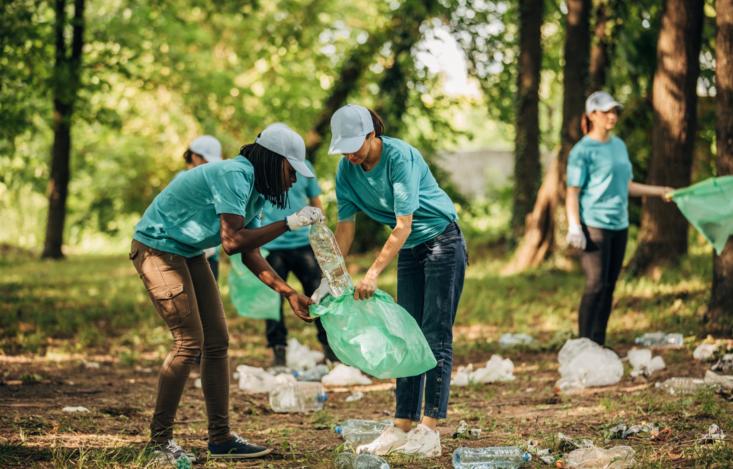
x: 666, y: 193
x: 366, y: 287
x: 299, y: 304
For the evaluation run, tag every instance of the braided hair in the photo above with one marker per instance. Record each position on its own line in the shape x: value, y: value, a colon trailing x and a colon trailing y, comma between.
x: 268, y: 167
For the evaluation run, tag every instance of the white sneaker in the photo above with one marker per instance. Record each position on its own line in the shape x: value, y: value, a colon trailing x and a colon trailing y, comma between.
x: 422, y: 441
x: 390, y: 439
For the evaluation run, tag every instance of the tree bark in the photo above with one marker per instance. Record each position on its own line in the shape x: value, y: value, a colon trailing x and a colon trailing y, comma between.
x: 527, y: 166
x: 539, y: 235
x: 66, y: 77
x: 720, y: 308
x: 600, y: 51
x: 663, y: 235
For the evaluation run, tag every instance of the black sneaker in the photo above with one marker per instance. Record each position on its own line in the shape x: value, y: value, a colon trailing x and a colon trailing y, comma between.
x: 279, y: 356
x: 237, y: 448
x: 170, y: 452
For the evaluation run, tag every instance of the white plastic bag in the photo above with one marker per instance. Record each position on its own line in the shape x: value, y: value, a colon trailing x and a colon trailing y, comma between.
x: 583, y: 363
x: 497, y: 369
x: 253, y: 380
x: 344, y: 375
x: 618, y: 457
x: 511, y: 340
x: 299, y: 357
x: 642, y: 362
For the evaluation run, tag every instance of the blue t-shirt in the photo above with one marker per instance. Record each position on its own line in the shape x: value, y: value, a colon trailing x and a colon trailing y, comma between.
x: 299, y: 196
x: 400, y: 184
x: 184, y: 218
x: 602, y: 171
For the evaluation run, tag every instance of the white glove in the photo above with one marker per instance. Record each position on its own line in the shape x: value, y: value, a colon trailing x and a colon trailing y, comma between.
x: 576, y: 237
x: 322, y: 291
x: 304, y: 217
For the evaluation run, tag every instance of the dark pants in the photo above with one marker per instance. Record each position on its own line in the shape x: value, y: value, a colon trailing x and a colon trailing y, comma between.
x: 186, y: 297
x: 601, y: 261
x: 429, y: 285
x: 214, y: 264
x: 302, y: 262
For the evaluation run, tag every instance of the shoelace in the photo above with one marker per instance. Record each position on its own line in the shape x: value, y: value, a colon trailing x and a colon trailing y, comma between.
x: 239, y: 439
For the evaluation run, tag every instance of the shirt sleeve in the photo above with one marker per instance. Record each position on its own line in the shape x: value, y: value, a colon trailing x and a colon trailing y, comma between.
x: 255, y: 222
x: 230, y: 191
x: 312, y: 188
x: 346, y: 207
x: 404, y: 176
x: 577, y: 170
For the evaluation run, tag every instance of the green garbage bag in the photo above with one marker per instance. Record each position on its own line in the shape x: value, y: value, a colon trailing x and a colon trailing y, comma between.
x: 252, y: 298
x: 708, y: 205
x: 376, y: 335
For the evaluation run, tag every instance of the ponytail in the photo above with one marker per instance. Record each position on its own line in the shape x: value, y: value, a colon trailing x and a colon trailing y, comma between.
x: 585, y: 124
x: 188, y: 156
x: 378, y: 124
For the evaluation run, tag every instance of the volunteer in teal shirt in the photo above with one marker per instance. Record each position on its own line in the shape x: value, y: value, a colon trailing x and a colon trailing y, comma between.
x: 388, y: 180
x: 599, y: 182
x: 212, y: 204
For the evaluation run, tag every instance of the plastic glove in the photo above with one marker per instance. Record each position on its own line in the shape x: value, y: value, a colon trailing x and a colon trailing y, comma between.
x: 304, y: 217
x: 576, y: 237
x: 323, y: 290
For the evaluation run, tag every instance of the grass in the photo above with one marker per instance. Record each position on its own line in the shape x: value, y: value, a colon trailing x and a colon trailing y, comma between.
x: 56, y: 317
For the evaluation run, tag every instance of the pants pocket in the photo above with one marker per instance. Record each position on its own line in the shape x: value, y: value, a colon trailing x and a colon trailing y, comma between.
x: 171, y: 302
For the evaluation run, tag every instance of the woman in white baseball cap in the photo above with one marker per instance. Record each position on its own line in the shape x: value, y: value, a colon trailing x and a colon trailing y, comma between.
x: 599, y: 182
x: 388, y: 180
x: 209, y: 205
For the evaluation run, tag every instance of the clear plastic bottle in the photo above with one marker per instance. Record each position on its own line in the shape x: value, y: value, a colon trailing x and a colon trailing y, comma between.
x: 496, y: 457
x: 651, y: 339
x: 313, y: 374
x: 680, y: 386
x: 298, y: 397
x: 329, y: 258
x: 358, y: 432
x: 359, y: 461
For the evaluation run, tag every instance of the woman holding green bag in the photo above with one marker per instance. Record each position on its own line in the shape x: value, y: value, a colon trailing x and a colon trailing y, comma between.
x: 390, y: 182
x: 215, y: 203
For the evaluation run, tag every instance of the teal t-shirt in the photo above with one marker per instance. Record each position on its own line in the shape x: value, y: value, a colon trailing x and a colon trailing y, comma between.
x: 184, y: 218
x: 602, y: 171
x: 400, y: 184
x: 298, y: 197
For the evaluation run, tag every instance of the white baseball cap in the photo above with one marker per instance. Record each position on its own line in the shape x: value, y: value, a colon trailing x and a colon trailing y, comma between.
x: 600, y: 101
x: 208, y: 147
x: 284, y: 141
x: 349, y: 127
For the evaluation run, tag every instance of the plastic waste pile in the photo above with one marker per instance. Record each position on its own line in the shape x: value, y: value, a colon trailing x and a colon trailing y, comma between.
x: 512, y: 340
x: 298, y: 397
x: 705, y: 352
x: 253, y: 380
x: 299, y: 357
x: 313, y: 374
x: 329, y: 258
x: 618, y: 457
x: 660, y: 339
x: 642, y: 362
x: 505, y: 457
x: 681, y: 386
x: 583, y: 363
x: 357, y: 432
x: 359, y: 461
x: 623, y: 431
x: 497, y: 369
x: 344, y: 375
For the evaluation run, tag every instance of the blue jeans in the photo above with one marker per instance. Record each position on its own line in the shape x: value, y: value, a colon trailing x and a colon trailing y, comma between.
x: 429, y: 285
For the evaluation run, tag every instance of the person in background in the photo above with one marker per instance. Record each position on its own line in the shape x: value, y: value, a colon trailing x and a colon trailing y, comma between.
x: 388, y: 180
x: 292, y: 252
x: 206, y: 206
x: 599, y: 182
x: 205, y: 149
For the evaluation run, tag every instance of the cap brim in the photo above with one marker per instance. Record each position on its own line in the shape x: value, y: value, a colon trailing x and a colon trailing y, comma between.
x: 610, y: 106
x: 301, y: 168
x: 341, y: 146
x: 212, y: 158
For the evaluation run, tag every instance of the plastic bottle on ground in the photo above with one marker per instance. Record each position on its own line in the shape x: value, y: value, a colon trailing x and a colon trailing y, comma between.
x: 651, y: 339
x: 298, y: 397
x: 313, y: 374
x: 359, y: 461
x: 329, y: 258
x: 680, y: 386
x: 504, y: 457
x: 358, y: 432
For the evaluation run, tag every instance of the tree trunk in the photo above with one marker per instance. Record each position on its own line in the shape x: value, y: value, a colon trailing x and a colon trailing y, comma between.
x: 66, y: 75
x: 539, y: 233
x: 663, y: 235
x: 720, y: 308
x: 527, y: 167
x: 600, y: 51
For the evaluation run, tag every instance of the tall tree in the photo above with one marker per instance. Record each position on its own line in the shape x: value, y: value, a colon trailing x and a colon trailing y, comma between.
x: 720, y: 308
x: 66, y: 80
x: 663, y: 235
x: 539, y: 235
x: 527, y: 167
x: 606, y: 28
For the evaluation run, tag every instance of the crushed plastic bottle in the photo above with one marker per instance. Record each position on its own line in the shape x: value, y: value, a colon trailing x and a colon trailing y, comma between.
x: 680, y: 386
x: 660, y: 339
x: 618, y: 457
x: 298, y: 397
x: 329, y: 258
x: 313, y: 374
x: 503, y: 457
x: 357, y: 432
x: 359, y: 461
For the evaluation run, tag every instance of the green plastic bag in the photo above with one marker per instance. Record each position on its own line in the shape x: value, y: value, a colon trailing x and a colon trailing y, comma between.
x: 252, y: 298
x: 376, y: 335
x: 708, y: 205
